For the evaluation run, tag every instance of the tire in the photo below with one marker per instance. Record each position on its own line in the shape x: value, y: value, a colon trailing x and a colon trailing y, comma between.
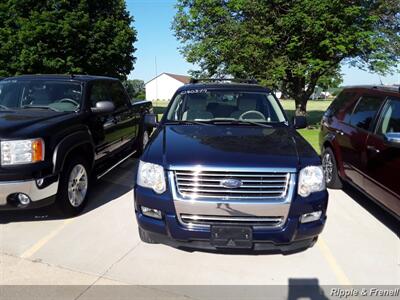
x: 71, y: 196
x: 145, y: 237
x: 331, y: 173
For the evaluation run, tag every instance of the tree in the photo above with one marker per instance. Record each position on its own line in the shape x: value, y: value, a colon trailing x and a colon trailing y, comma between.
x: 289, y: 45
x: 135, y: 88
x: 60, y: 36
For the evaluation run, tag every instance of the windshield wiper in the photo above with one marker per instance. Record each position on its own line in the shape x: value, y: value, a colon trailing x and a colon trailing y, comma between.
x: 239, y: 122
x: 39, y: 107
x: 181, y: 122
x: 4, y: 107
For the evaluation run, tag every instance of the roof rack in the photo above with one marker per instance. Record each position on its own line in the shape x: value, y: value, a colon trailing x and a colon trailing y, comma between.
x: 223, y: 80
x: 388, y: 88
x: 385, y: 88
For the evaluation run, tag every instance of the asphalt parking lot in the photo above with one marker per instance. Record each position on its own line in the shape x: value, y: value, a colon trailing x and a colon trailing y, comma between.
x: 359, y: 246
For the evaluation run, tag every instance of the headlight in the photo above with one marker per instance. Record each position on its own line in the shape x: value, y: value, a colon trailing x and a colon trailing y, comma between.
x: 151, y: 176
x: 311, y: 180
x: 21, y: 152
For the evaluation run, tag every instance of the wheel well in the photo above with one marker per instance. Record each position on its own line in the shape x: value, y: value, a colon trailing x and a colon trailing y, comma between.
x: 85, y: 151
x: 327, y: 145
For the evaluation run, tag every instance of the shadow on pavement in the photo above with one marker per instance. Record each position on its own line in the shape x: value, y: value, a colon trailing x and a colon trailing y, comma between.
x: 305, y: 289
x: 112, y: 186
x: 374, y: 209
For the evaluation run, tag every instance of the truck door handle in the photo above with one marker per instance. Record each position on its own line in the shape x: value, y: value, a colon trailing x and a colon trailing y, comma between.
x: 373, y: 149
x: 340, y: 132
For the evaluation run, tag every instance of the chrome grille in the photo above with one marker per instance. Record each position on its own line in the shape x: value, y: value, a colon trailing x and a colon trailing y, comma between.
x: 195, y: 220
x: 254, y: 185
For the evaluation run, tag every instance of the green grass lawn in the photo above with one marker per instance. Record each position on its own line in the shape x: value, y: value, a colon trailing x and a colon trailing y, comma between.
x: 315, y: 111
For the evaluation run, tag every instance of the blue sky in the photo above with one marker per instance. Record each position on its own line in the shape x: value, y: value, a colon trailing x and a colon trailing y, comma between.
x: 156, y: 40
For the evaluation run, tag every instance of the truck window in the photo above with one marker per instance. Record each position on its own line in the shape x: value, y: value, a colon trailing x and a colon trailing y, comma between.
x: 99, y: 92
x: 55, y: 94
x: 118, y: 95
x: 365, y: 112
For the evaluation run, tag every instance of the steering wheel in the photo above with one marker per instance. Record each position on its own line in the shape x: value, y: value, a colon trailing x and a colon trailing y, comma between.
x: 251, y: 112
x: 68, y: 100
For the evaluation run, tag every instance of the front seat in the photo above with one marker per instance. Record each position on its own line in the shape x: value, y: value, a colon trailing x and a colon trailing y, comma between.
x: 246, y: 103
x: 196, y: 108
x: 40, y: 97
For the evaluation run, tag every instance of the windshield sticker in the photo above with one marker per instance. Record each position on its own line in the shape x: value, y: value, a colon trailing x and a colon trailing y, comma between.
x: 197, y: 91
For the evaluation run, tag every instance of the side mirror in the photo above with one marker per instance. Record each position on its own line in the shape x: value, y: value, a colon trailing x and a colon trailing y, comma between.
x: 392, y: 139
x: 300, y: 122
x: 103, y: 107
x: 150, y: 120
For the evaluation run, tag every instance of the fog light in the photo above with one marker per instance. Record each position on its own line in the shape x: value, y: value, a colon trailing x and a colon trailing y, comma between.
x: 24, y: 199
x: 311, y: 217
x: 152, y: 213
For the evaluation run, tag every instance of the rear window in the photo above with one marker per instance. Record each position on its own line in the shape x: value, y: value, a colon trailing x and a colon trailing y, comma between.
x: 365, y: 112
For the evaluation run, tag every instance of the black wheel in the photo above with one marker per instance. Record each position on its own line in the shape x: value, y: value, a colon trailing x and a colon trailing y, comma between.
x: 74, y: 187
x: 145, y: 237
x: 331, y: 173
x: 142, y: 142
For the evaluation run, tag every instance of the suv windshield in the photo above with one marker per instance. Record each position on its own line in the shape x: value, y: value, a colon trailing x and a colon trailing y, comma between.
x: 55, y: 95
x: 220, y: 105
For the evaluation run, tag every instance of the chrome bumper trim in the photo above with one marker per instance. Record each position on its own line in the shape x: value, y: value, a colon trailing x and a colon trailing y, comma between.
x: 29, y: 188
x: 206, y: 221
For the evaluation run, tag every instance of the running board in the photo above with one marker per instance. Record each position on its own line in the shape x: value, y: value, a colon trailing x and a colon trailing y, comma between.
x: 116, y: 165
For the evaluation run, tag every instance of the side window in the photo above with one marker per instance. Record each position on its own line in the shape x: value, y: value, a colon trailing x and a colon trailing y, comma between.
x: 390, y: 121
x: 342, y: 106
x: 99, y: 92
x: 366, y: 111
x: 118, y: 95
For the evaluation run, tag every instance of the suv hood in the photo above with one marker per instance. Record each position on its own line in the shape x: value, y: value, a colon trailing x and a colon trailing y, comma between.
x: 13, y: 124
x: 229, y: 146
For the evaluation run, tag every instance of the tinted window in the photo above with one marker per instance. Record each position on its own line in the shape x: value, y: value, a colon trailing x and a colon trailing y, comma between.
x: 390, y: 121
x: 55, y: 94
x: 342, y: 105
x: 118, y: 94
x: 365, y: 112
x: 99, y: 92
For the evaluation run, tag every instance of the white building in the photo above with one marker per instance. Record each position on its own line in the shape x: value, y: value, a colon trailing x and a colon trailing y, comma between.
x: 164, y: 86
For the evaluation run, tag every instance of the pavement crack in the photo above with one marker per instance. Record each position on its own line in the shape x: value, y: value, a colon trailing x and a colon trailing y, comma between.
x: 107, y: 270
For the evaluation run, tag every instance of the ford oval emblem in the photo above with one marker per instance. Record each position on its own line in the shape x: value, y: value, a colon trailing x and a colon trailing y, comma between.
x: 231, y: 183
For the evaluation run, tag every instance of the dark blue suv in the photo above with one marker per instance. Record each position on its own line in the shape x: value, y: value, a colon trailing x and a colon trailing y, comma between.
x: 226, y: 169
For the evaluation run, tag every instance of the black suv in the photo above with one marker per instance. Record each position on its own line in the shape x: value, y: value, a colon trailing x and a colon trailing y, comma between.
x: 226, y: 169
x: 58, y: 132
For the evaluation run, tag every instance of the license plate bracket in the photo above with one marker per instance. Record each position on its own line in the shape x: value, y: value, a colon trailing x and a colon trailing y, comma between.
x: 239, y: 237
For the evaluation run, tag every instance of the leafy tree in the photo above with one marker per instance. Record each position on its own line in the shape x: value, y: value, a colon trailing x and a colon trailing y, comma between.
x: 66, y: 36
x: 135, y: 88
x: 289, y: 44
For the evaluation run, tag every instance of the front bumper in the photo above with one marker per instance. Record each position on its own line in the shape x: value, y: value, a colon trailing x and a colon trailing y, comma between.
x: 291, y: 236
x: 40, y: 195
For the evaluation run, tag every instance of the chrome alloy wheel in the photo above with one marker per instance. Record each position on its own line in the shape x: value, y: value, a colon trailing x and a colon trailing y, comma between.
x: 327, y: 163
x: 77, y: 185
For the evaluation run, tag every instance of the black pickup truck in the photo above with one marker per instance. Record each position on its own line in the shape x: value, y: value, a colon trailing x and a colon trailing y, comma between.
x: 58, y: 133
